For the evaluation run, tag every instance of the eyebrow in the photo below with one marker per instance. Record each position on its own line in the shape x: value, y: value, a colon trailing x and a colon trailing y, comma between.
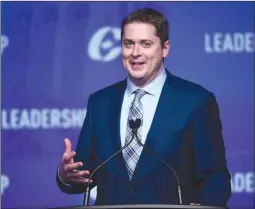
x: 142, y: 40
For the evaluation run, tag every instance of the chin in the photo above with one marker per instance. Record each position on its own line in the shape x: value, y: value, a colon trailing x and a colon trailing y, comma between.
x: 137, y: 76
x: 137, y: 73
x: 138, y: 80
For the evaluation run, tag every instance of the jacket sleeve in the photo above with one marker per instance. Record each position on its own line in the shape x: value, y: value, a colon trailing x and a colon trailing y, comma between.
x: 212, y: 175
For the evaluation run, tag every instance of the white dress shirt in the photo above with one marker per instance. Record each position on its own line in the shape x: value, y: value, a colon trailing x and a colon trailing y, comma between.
x: 149, y: 102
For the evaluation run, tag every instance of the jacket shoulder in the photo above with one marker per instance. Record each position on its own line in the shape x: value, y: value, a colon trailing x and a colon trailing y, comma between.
x: 108, y: 92
x: 191, y: 89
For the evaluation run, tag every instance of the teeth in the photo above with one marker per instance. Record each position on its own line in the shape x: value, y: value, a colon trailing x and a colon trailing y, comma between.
x: 138, y: 63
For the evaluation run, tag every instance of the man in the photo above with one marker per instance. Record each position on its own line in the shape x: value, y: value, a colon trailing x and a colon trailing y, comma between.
x: 179, y: 122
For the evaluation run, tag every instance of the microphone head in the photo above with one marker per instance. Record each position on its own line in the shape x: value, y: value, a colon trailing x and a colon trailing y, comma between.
x: 138, y: 122
x: 131, y: 124
x: 134, y: 125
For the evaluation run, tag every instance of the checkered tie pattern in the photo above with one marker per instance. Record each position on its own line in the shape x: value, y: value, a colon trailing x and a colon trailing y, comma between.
x: 132, y: 152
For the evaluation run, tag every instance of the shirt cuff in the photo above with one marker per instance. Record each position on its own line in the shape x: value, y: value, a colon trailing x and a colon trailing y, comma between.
x: 61, y: 179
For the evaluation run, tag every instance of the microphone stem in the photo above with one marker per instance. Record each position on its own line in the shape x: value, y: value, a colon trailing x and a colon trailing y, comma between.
x: 85, y: 203
x: 178, y: 182
x: 180, y: 194
x: 86, y: 200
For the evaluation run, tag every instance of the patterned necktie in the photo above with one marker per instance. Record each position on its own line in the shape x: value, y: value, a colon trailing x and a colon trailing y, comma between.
x: 132, y: 152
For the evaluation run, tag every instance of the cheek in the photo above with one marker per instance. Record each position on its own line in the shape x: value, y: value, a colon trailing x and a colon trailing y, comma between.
x: 154, y: 59
x: 158, y: 56
x: 153, y: 54
x: 125, y: 54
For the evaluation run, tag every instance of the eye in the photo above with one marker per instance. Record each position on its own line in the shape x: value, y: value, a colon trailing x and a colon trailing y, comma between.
x: 147, y: 44
x: 127, y: 44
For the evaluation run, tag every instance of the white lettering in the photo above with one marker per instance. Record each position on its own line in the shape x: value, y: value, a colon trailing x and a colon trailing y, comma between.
x: 35, y: 118
x: 14, y: 118
x: 217, y: 42
x: 242, y: 182
x: 66, y: 118
x: 45, y: 118
x: 5, y: 123
x: 229, y: 42
x: 55, y: 118
x: 4, y: 43
x: 42, y: 118
x: 239, y: 39
x: 208, y: 47
x: 250, y: 42
x: 250, y: 182
x: 5, y: 182
x: 24, y: 122
x: 76, y: 119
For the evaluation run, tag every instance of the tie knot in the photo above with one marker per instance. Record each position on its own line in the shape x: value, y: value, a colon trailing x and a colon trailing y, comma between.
x: 139, y: 93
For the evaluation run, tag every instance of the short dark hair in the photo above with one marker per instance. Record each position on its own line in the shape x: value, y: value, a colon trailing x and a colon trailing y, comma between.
x: 149, y: 16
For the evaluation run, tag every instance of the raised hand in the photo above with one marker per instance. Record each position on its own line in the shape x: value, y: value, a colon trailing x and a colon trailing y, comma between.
x: 68, y: 170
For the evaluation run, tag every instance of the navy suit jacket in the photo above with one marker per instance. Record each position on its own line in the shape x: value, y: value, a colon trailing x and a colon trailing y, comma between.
x: 186, y: 132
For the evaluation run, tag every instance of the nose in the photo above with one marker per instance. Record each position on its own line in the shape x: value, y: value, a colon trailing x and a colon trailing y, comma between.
x: 136, y: 51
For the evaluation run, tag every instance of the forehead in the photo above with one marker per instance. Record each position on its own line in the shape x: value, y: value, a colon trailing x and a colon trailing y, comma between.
x: 139, y: 31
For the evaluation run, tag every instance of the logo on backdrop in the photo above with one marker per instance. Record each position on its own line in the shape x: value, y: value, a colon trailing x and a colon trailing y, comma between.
x: 229, y: 42
x: 104, y: 45
x: 4, y: 43
x: 5, y: 182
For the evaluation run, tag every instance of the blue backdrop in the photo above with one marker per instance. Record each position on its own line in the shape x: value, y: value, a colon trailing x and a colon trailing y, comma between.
x: 54, y: 54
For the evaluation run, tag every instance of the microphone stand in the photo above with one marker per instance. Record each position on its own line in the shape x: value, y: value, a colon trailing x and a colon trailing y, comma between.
x: 87, y: 193
x: 160, y: 159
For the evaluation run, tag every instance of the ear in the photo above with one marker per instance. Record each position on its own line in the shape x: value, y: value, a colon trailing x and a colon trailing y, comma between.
x: 166, y: 48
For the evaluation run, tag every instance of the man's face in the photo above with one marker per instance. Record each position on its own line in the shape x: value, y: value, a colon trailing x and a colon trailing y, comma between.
x: 142, y: 52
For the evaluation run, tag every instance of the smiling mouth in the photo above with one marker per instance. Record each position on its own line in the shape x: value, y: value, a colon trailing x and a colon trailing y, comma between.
x: 137, y: 63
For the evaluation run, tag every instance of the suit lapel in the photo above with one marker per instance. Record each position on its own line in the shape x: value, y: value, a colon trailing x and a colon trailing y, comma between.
x: 159, y: 126
x: 117, y: 166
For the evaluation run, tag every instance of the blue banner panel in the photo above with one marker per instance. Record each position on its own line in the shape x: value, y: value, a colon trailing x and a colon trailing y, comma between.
x: 54, y: 54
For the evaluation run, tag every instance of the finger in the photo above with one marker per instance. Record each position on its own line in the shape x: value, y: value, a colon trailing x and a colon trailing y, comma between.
x: 78, y: 174
x: 81, y: 180
x: 68, y: 145
x: 72, y: 167
x: 68, y: 156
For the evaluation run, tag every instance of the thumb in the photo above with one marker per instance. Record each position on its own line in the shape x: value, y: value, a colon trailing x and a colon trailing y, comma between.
x: 68, y: 145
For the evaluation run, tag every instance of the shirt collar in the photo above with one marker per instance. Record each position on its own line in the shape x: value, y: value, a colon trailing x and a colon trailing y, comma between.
x: 153, y: 88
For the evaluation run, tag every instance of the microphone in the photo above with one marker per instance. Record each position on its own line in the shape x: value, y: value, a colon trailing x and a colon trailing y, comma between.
x: 135, y: 125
